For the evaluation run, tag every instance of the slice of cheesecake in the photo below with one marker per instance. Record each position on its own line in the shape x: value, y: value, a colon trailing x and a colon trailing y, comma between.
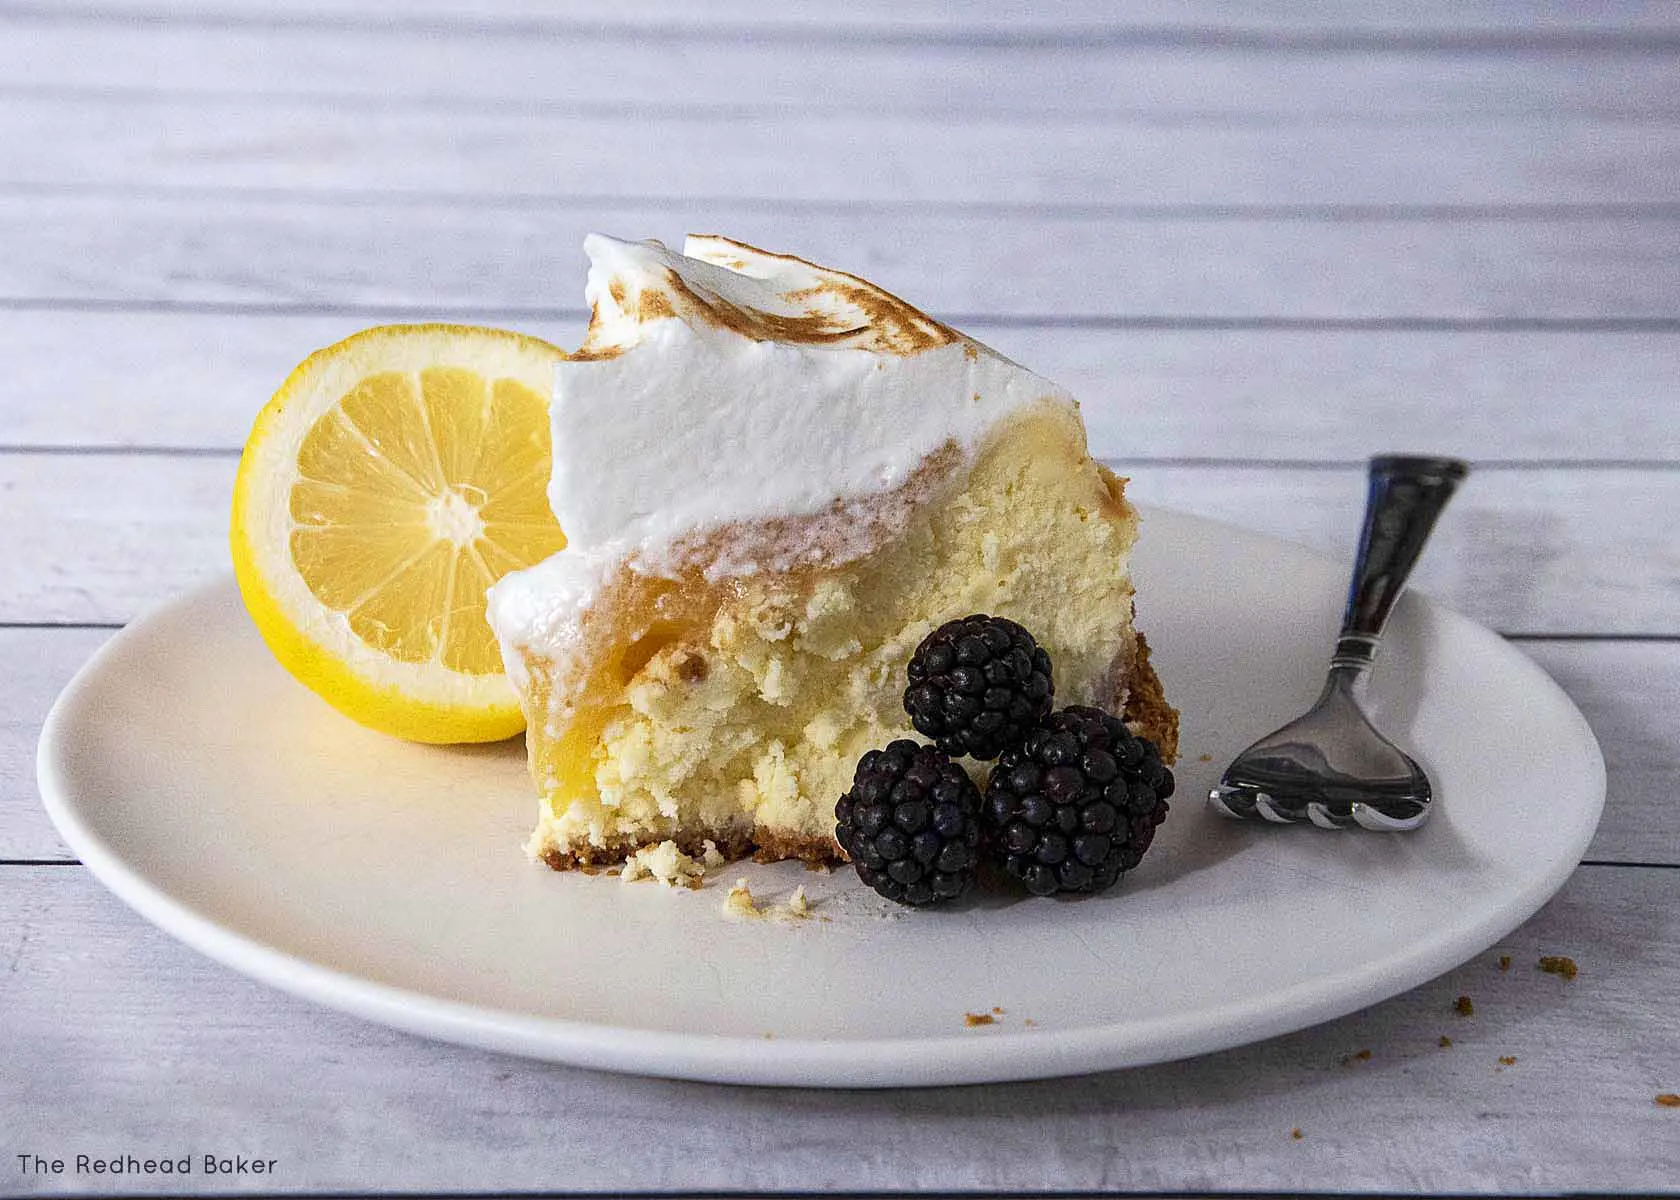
x: 775, y: 480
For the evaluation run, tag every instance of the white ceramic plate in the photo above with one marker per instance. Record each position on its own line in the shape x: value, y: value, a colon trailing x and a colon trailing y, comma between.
x: 229, y: 806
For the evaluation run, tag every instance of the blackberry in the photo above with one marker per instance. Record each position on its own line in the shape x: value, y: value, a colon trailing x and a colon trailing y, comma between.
x: 911, y: 824
x: 1076, y: 805
x: 977, y: 685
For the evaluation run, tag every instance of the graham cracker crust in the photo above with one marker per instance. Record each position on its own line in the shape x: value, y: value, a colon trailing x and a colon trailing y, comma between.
x: 772, y: 846
x: 1147, y: 710
x: 763, y: 845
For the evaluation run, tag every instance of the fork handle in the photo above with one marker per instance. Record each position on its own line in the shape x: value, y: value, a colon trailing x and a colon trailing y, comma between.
x: 1404, y: 496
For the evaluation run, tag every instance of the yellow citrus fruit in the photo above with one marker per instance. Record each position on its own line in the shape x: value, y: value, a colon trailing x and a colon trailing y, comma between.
x: 392, y: 479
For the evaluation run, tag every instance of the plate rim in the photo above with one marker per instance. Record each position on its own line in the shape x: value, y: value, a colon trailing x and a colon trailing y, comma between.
x: 909, y: 1061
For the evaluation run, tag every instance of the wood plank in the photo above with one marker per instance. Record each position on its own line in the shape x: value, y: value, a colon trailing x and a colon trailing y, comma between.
x: 1538, y: 21
x: 1626, y: 690
x: 450, y: 256
x: 103, y: 1012
x: 320, y: 147
x: 189, y: 379
x: 1629, y: 693
x: 597, y: 67
x: 39, y: 662
x: 1334, y: 394
x: 100, y: 538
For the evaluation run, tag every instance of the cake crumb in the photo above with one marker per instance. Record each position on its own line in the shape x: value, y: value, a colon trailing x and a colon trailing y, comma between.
x: 799, y: 905
x: 997, y: 1010
x: 1559, y: 964
x: 1668, y: 1100
x: 973, y: 1019
x: 1030, y: 1023
x: 1444, y: 1042
x: 1504, y: 962
x: 1296, y: 1133
x: 1362, y: 1056
x: 1463, y: 1007
x: 1507, y: 1060
x: 668, y: 864
x: 1209, y: 758
x: 740, y: 904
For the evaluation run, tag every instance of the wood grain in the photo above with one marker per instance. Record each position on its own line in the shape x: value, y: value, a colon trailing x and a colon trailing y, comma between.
x: 196, y: 380
x: 39, y: 662
x: 1626, y: 690
x: 104, y: 1014
x: 592, y: 65
x: 445, y: 255
x: 101, y: 539
x: 320, y: 147
x: 1546, y: 550
x: 1515, y: 23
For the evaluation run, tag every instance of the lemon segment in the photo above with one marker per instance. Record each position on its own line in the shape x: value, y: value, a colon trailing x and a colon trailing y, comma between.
x: 390, y: 482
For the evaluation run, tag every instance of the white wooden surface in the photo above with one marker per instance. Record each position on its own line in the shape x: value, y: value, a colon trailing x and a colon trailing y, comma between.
x: 1260, y: 240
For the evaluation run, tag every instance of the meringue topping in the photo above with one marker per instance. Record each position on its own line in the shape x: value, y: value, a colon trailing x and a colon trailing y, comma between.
x: 728, y: 387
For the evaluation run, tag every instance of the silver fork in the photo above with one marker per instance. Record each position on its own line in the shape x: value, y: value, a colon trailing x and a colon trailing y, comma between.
x: 1331, y: 766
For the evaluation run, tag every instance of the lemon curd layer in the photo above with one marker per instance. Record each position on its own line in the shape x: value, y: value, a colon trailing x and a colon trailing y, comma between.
x: 776, y: 480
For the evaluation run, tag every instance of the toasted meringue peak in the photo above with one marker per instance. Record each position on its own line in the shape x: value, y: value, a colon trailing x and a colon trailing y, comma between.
x: 724, y: 284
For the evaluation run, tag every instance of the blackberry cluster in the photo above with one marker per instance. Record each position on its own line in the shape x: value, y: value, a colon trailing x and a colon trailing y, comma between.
x: 977, y: 685
x: 911, y: 824
x: 1076, y: 804
x: 1071, y: 805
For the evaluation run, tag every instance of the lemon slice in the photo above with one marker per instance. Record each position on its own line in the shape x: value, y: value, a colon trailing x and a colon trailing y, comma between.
x: 392, y: 479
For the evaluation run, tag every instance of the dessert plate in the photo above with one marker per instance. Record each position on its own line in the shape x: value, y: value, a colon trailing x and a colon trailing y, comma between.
x: 236, y: 811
